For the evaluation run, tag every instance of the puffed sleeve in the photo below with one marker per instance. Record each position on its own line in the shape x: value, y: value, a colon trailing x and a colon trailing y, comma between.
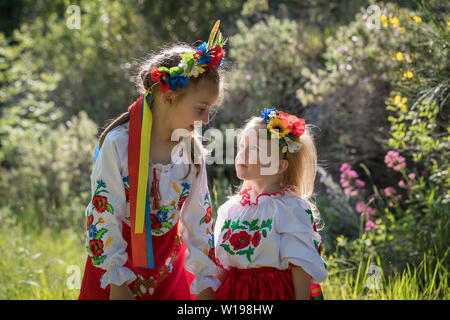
x: 105, y: 212
x: 197, y: 232
x: 298, y: 241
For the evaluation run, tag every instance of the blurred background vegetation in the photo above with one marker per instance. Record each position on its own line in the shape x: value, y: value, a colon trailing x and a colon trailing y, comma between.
x: 379, y: 99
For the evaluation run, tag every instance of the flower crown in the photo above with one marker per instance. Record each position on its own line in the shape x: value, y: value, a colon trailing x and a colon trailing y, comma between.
x: 286, y: 127
x: 208, y: 55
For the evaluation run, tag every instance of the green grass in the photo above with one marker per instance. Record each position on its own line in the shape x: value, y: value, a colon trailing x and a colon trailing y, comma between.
x: 412, y: 283
x: 35, y: 266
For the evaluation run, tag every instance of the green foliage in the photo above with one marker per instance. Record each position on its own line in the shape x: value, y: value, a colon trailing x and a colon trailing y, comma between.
x: 50, y: 185
x: 268, y: 56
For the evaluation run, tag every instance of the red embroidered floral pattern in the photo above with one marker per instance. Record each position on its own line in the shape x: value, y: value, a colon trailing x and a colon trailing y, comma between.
x: 242, y: 238
x: 141, y: 286
x: 245, y: 196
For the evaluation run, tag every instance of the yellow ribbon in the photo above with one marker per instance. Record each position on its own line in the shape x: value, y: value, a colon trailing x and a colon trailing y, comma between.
x: 146, y: 130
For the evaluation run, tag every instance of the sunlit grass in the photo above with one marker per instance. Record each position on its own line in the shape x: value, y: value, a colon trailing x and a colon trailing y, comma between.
x: 34, y: 266
x: 412, y: 283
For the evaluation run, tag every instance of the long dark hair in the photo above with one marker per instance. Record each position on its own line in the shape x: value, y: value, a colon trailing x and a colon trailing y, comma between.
x: 168, y: 57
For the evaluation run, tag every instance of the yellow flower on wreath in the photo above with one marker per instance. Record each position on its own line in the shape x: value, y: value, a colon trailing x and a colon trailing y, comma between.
x: 280, y: 125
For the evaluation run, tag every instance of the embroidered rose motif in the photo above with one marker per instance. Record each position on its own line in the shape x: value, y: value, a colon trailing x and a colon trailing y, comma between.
x: 181, y: 202
x: 100, y: 203
x: 155, y: 223
x: 90, y: 220
x: 240, y: 240
x: 96, y: 247
x: 208, y: 215
x: 212, y: 254
x: 256, y: 238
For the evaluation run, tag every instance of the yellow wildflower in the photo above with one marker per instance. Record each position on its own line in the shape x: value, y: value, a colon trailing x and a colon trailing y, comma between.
x: 401, y: 30
x: 399, y: 56
x: 417, y: 19
x: 394, y: 21
x: 408, y: 74
x: 383, y: 19
x: 397, y: 99
x: 404, y: 99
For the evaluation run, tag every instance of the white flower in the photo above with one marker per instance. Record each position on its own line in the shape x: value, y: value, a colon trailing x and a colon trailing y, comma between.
x: 273, y: 114
x: 293, y: 146
x: 151, y: 290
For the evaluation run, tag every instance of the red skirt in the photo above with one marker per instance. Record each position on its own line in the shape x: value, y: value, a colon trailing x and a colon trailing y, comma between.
x: 265, y: 283
x: 168, y: 281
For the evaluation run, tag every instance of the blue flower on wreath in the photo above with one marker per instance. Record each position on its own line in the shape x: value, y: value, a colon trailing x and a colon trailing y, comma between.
x: 186, y: 185
x: 202, y: 47
x: 126, y: 179
x: 204, y: 59
x: 101, y: 183
x: 161, y: 215
x: 206, y: 196
x: 265, y: 114
x: 177, y: 82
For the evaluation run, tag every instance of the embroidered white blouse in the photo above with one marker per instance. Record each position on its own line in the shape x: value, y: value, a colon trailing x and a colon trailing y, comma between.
x: 268, y: 230
x: 110, y: 207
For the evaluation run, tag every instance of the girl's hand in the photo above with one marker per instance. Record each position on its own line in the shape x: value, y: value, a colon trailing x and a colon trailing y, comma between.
x: 122, y: 292
x: 207, y: 294
x: 302, y: 283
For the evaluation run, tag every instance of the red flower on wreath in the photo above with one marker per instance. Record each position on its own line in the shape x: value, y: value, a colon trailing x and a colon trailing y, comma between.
x: 297, y: 124
x: 90, y: 220
x: 181, y: 201
x: 96, y: 247
x: 100, y: 202
x: 158, y: 76
x: 208, y: 215
x: 216, y: 55
x: 155, y: 222
x: 256, y: 238
x: 226, y: 235
x: 240, y: 240
x: 127, y: 195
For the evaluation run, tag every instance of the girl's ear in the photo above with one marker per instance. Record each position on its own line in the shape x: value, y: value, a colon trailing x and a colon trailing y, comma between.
x: 284, y: 164
x: 168, y: 98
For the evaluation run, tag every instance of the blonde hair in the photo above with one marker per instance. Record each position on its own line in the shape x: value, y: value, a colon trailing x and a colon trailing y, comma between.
x: 301, y: 172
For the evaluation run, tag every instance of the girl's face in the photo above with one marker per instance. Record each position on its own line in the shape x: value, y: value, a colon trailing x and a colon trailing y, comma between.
x: 194, y: 106
x: 255, y: 159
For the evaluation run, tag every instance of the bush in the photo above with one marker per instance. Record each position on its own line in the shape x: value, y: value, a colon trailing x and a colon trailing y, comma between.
x: 50, y: 184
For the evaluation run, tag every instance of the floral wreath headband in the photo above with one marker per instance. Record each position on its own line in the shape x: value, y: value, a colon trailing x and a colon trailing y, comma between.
x: 286, y: 127
x: 208, y: 55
